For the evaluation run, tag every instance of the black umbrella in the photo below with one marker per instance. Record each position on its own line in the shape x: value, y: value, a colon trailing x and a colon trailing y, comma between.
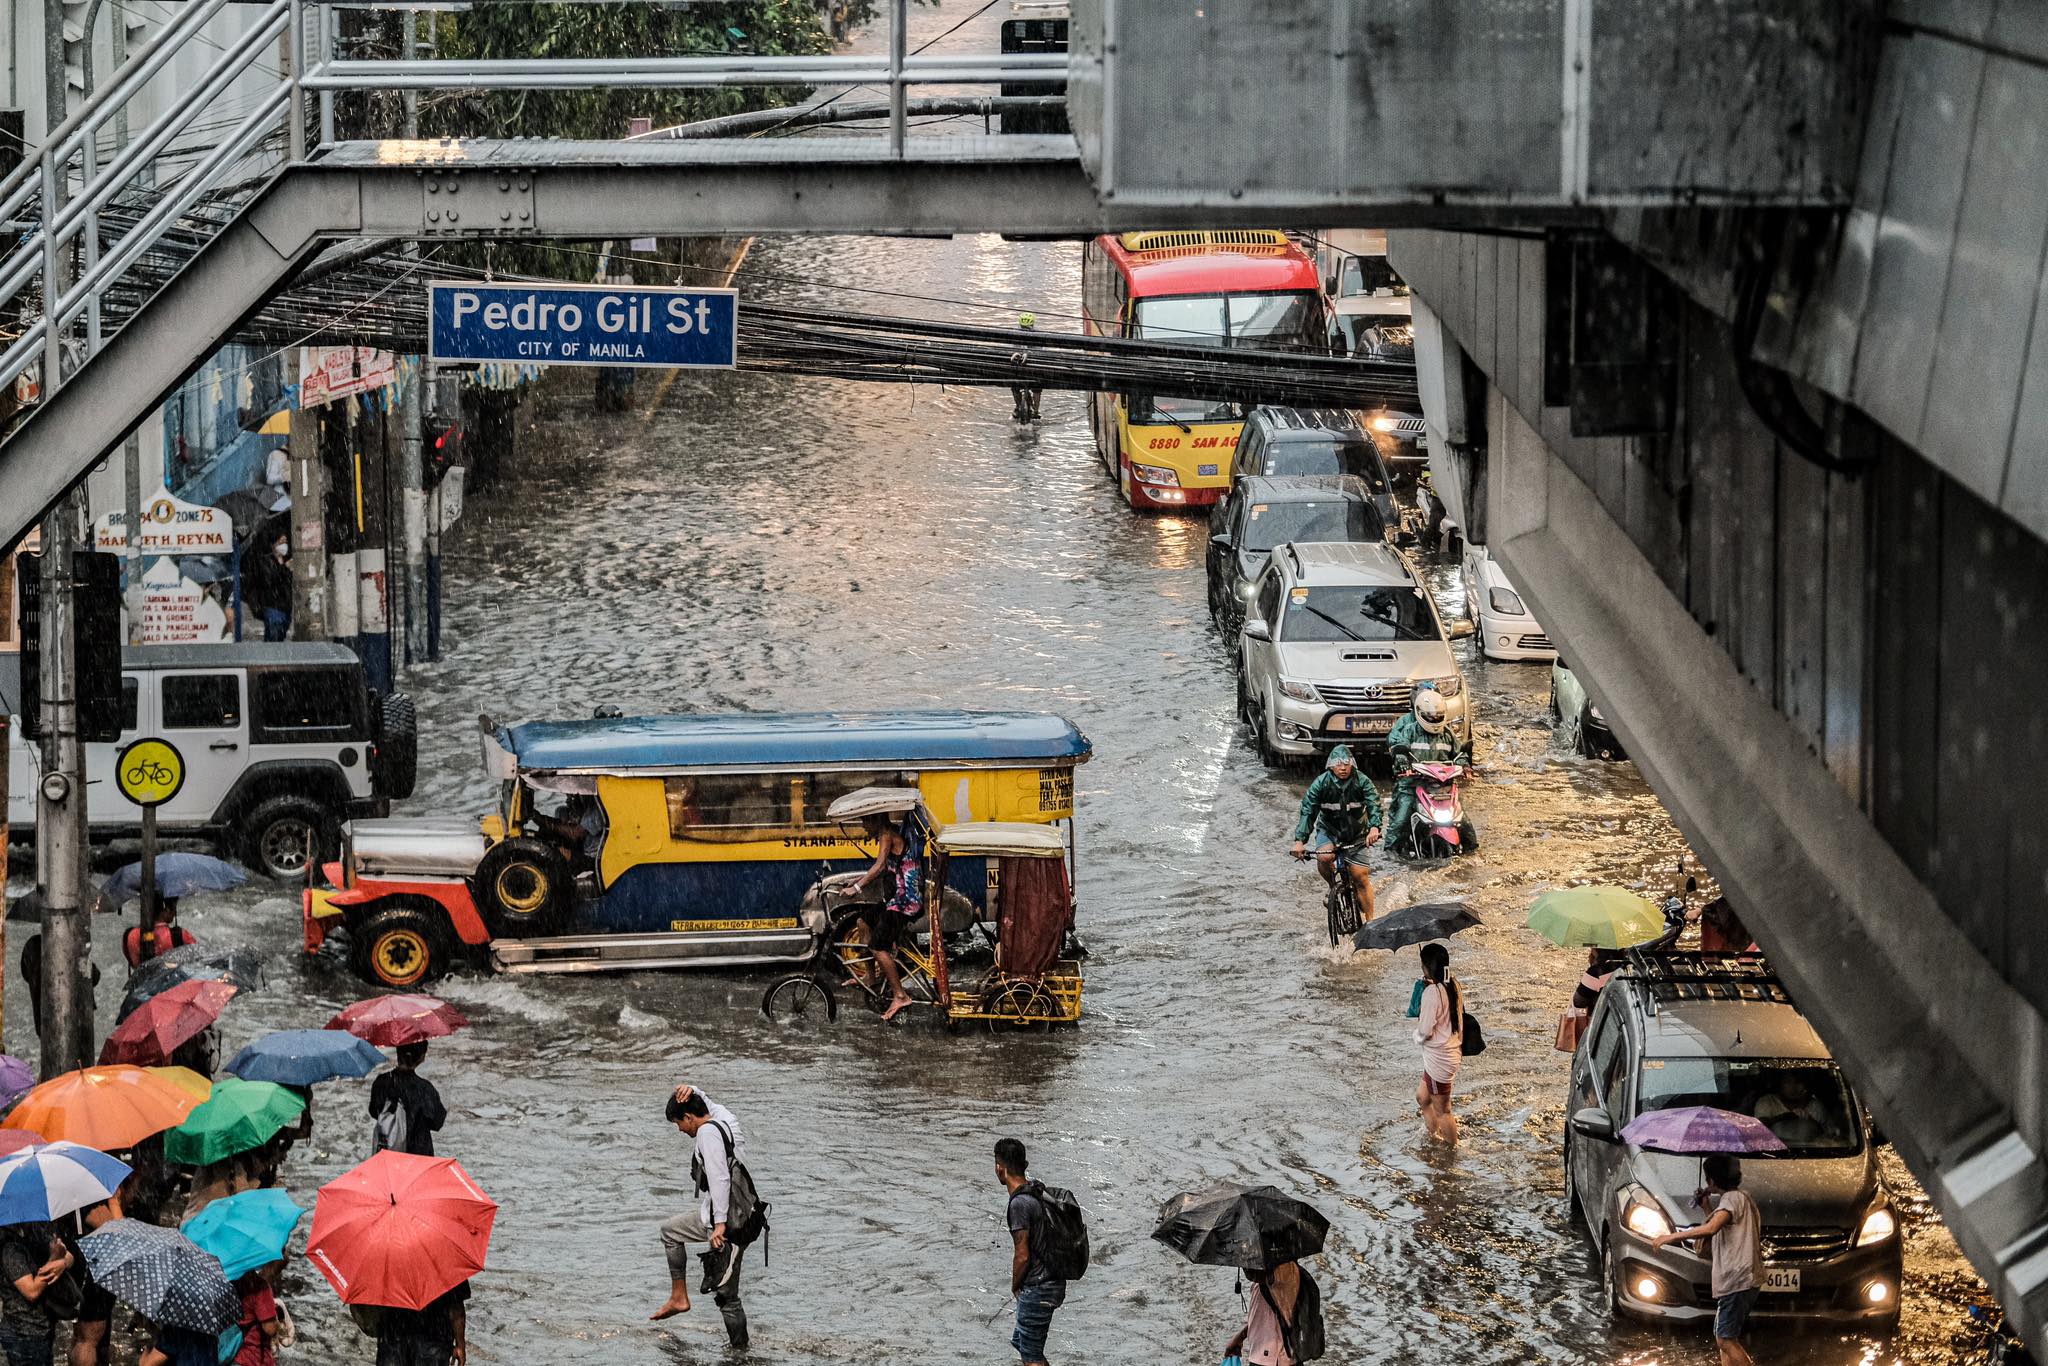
x: 162, y: 1275
x: 193, y: 962
x: 1253, y: 1227
x: 1417, y: 924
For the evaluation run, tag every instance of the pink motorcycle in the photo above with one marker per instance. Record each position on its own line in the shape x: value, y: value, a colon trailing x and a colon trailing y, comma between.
x: 1438, y: 828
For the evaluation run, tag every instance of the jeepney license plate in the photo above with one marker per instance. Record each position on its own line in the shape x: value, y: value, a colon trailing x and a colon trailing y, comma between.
x: 1362, y: 725
x: 1781, y: 1280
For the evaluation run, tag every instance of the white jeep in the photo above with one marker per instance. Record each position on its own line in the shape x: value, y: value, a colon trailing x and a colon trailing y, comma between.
x: 281, y: 742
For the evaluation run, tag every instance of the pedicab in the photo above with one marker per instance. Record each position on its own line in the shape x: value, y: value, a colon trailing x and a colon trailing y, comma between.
x: 1017, y: 909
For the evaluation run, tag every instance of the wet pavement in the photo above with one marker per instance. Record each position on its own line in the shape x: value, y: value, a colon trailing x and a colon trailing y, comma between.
x: 753, y: 542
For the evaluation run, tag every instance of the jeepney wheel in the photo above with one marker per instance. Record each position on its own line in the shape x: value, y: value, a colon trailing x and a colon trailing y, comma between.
x: 799, y: 999
x: 522, y: 885
x: 1020, y: 1005
x: 399, y: 946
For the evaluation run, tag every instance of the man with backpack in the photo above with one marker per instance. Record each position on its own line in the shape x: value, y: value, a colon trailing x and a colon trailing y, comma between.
x: 730, y: 1213
x: 405, y: 1109
x: 1049, y: 1242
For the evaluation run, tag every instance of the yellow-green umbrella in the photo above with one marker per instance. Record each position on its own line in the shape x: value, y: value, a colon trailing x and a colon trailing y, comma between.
x: 1595, y: 917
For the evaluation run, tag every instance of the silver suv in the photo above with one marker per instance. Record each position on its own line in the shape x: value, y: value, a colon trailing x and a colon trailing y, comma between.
x: 1691, y: 1029
x: 1337, y: 640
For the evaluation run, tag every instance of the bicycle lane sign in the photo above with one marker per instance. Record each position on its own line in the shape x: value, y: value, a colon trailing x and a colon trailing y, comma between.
x: 150, y: 772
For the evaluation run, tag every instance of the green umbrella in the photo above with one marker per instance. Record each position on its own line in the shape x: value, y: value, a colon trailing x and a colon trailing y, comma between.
x: 1595, y: 917
x: 241, y: 1115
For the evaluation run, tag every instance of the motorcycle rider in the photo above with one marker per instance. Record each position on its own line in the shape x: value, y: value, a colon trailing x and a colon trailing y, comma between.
x: 1423, y: 736
x: 1339, y: 805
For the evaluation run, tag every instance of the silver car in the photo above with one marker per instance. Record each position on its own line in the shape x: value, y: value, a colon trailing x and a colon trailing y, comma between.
x: 1336, y: 642
x: 1680, y: 1029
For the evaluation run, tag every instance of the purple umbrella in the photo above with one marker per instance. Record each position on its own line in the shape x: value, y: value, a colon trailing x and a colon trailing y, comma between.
x: 1701, y: 1129
x: 17, y: 1079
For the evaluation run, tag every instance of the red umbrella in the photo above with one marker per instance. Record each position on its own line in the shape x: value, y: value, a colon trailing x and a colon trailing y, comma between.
x: 394, y: 1020
x: 14, y: 1140
x: 161, y: 1024
x: 400, y: 1230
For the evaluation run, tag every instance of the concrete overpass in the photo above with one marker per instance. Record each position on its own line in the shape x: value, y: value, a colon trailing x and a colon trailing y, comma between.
x: 1726, y: 322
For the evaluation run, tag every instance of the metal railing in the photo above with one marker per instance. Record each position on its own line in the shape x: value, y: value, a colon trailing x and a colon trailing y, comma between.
x: 78, y: 271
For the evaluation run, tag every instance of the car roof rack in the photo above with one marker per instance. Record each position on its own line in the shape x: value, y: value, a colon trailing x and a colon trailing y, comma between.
x: 1295, y: 555
x: 1689, y: 975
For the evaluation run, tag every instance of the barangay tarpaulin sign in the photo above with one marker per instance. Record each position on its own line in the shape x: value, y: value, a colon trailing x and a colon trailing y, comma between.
x: 327, y: 373
x: 170, y: 526
x: 553, y: 324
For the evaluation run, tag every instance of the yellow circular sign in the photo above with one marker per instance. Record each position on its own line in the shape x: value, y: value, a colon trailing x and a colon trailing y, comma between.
x: 150, y: 772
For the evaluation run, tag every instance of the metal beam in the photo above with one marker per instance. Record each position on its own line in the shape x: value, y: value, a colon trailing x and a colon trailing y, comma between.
x: 523, y: 190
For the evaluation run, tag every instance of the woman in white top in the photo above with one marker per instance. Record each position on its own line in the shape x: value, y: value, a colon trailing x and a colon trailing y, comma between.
x: 1441, y: 1034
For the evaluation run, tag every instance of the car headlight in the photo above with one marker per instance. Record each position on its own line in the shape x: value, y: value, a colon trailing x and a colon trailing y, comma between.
x: 1594, y: 712
x: 1644, y: 1219
x: 1247, y: 589
x: 1448, y: 687
x: 1383, y: 423
x: 1878, y: 1225
x: 1300, y: 692
x: 1505, y: 601
x: 1155, y: 474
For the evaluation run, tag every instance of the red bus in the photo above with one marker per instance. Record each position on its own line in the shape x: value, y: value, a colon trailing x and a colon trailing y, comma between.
x: 1239, y: 287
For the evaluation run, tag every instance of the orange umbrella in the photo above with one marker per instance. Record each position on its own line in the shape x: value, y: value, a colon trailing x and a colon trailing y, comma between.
x: 185, y: 1079
x: 109, y: 1108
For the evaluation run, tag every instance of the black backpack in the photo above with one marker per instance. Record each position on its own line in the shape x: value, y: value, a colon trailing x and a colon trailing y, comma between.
x: 746, y: 1211
x: 1064, y: 1247
x: 1303, y: 1337
x: 1473, y: 1042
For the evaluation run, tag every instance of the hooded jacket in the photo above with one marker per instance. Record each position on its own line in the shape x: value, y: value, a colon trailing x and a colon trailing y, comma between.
x: 1345, y: 809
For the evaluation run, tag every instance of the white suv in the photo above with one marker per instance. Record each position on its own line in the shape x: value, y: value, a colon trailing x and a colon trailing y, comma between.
x: 1337, y: 640
x: 281, y: 742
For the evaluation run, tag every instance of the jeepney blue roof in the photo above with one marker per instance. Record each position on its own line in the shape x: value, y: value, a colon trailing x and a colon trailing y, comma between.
x: 777, y: 738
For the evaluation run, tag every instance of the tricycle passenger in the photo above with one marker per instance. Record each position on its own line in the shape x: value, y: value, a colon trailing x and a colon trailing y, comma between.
x: 899, y: 871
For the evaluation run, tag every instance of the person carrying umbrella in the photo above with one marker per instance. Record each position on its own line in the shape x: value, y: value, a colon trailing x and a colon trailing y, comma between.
x: 1734, y: 1232
x: 1264, y: 1232
x: 405, y: 1109
x: 165, y: 934
x: 1340, y: 807
x: 1440, y: 1033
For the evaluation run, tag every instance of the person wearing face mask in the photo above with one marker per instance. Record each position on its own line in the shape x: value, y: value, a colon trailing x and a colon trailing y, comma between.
x: 267, y: 586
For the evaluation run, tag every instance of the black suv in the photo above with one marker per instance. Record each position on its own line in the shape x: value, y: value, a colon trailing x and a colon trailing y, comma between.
x: 1287, y: 441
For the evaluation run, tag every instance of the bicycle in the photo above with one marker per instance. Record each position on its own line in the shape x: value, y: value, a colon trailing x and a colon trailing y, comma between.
x: 847, y: 955
x: 1341, y: 902
x: 148, y: 772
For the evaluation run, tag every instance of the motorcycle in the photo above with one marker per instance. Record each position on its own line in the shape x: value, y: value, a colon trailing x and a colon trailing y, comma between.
x: 1438, y: 828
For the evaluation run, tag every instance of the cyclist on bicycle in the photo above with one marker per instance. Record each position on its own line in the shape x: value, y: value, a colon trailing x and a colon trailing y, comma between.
x: 899, y: 867
x: 1341, y: 805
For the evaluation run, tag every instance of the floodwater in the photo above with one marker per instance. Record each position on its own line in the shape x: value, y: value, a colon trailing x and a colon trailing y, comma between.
x: 752, y: 542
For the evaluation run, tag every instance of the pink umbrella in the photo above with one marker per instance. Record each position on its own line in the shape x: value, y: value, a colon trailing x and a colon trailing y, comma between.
x: 1697, y: 1129
x: 14, y: 1140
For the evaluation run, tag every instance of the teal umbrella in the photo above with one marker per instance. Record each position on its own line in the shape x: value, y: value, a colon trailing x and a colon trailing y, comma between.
x: 246, y: 1231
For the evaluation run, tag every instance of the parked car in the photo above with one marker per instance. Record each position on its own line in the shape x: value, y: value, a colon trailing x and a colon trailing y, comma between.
x: 281, y: 742
x: 1681, y: 1029
x: 1578, y: 716
x: 1507, y: 628
x: 1337, y: 640
x: 1261, y: 512
x: 1294, y: 441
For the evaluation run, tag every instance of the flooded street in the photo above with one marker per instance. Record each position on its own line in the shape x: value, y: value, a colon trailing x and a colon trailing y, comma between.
x: 761, y: 543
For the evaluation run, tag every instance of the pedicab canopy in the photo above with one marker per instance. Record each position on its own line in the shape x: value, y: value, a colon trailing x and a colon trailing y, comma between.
x: 1032, y: 905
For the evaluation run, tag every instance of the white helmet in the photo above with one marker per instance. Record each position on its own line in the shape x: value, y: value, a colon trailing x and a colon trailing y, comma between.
x: 1429, y: 710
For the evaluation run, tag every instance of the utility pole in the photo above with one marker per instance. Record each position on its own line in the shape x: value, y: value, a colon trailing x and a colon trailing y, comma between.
x: 412, y: 505
x: 60, y: 811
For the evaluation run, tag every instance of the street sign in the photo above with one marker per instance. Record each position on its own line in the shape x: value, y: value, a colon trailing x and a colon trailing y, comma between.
x: 149, y: 772
x: 551, y: 324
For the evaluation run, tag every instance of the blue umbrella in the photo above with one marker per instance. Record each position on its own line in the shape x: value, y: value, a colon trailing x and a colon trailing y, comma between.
x: 300, y: 1057
x: 177, y: 874
x: 246, y: 1231
x: 52, y: 1180
x: 162, y: 1275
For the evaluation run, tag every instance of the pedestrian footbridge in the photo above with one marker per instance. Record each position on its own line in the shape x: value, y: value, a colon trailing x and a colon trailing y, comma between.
x: 1738, y: 369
